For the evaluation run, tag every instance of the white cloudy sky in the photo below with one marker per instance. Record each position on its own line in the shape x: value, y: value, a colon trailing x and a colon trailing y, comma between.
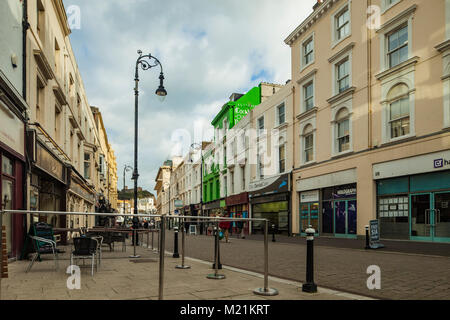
x: 208, y: 49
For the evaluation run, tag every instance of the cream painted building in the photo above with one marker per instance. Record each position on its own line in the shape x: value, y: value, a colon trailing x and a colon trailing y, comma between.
x: 66, y: 147
x: 372, y: 119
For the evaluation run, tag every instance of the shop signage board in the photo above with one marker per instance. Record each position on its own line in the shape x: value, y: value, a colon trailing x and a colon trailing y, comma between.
x: 309, y: 196
x: 12, y: 130
x: 193, y: 229
x: 46, y: 161
x: 375, y: 235
x: 178, y: 204
x: 431, y: 162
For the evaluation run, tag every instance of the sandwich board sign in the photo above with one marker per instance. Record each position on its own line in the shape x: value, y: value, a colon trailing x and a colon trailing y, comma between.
x: 375, y: 235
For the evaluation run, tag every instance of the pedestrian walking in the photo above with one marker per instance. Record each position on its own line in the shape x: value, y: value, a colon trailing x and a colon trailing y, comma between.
x: 225, y: 226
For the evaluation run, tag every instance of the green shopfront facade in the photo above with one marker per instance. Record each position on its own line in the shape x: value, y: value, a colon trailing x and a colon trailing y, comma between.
x: 416, y: 206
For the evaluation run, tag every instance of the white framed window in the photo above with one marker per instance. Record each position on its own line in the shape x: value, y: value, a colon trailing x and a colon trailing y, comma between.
x: 308, y: 96
x: 397, y: 46
x: 260, y: 126
x: 341, y: 24
x: 387, y: 4
x: 281, y: 114
x: 399, y: 111
x: 87, y: 166
x: 343, y: 75
x: 342, y: 128
x: 260, y: 166
x: 307, y: 52
x: 308, y: 144
x: 396, y: 39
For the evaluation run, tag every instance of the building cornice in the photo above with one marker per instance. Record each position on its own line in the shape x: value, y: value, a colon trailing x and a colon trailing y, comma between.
x: 62, y: 16
x: 310, y: 21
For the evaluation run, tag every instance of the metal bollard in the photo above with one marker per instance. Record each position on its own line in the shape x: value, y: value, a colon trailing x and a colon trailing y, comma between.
x: 153, y: 231
x: 273, y: 233
x: 216, y: 275
x: 216, y: 248
x: 134, y: 256
x: 367, y: 238
x: 183, y: 231
x: 266, y: 291
x: 161, y: 258
x: 148, y: 239
x: 175, y: 243
x: 310, y: 286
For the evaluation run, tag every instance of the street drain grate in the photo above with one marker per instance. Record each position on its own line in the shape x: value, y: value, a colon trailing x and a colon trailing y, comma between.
x: 144, y: 260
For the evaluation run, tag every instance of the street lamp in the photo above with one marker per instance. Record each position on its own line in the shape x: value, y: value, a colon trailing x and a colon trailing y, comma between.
x: 145, y: 62
x: 125, y: 169
x: 198, y: 145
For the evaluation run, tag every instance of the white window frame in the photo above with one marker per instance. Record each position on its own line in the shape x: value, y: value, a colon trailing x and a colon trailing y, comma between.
x: 302, y: 85
x: 334, y: 40
x: 308, y: 122
x: 345, y: 55
x: 277, y: 114
x: 303, y: 64
x: 282, y: 144
x: 335, y: 109
x: 407, y: 78
x: 385, y: 6
x: 259, y: 130
x: 388, y: 28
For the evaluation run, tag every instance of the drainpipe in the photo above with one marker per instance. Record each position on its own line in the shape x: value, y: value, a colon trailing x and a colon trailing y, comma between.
x: 291, y: 203
x: 369, y: 81
x: 25, y: 26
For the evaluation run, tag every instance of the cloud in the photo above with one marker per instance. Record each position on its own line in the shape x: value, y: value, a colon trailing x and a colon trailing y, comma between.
x: 208, y: 49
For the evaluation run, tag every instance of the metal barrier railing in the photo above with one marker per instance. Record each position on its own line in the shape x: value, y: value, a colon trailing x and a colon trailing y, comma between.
x: 161, y: 240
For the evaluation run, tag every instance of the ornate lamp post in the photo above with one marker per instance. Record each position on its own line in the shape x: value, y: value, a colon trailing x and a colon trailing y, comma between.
x: 145, y: 62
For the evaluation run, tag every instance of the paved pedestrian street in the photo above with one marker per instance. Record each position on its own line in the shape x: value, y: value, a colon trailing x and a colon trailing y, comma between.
x: 120, y: 277
x: 403, y: 275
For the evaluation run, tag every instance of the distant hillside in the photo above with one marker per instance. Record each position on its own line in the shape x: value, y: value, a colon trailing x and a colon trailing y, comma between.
x: 129, y: 194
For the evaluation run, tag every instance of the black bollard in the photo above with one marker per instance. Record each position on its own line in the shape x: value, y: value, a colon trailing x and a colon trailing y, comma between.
x: 175, y: 243
x: 273, y: 233
x: 309, y: 286
x: 367, y: 238
x: 216, y: 249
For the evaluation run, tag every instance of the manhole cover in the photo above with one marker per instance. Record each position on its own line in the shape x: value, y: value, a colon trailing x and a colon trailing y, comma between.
x: 144, y: 260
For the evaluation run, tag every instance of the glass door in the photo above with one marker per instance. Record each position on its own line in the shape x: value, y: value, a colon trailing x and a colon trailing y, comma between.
x: 7, y: 203
x: 345, y: 218
x: 442, y: 217
x: 309, y: 216
x: 421, y: 216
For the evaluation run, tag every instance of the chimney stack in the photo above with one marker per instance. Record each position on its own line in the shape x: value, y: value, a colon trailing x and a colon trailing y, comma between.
x: 318, y: 3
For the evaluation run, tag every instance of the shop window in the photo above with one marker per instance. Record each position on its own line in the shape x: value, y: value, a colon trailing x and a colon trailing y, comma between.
x: 7, y: 166
x: 393, y: 213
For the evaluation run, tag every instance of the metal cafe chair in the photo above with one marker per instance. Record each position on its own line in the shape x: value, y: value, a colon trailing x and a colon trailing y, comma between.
x: 43, y: 246
x: 85, y: 248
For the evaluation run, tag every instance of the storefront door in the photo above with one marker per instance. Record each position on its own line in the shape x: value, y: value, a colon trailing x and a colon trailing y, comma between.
x: 309, y: 216
x: 430, y: 216
x: 345, y: 218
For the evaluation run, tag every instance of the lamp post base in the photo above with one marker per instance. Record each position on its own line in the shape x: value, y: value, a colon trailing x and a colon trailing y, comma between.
x: 182, y: 267
x: 134, y: 257
x: 265, y: 292
x: 309, y: 287
x: 215, y: 276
